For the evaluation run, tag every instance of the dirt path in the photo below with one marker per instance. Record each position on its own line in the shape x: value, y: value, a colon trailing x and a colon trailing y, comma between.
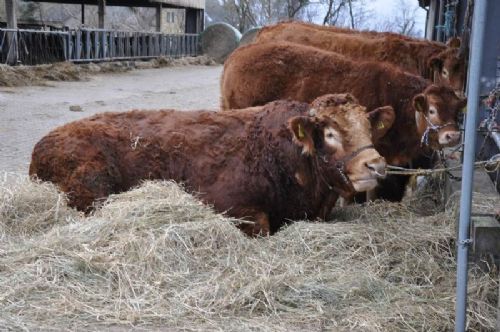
x: 28, y: 113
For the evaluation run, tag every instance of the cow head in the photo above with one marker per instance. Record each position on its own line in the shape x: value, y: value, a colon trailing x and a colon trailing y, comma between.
x: 337, y: 134
x: 449, y: 66
x: 437, y: 110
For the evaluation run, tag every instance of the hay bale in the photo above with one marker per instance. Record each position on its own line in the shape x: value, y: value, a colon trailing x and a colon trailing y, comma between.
x: 155, y: 258
x: 219, y: 40
x: 249, y: 36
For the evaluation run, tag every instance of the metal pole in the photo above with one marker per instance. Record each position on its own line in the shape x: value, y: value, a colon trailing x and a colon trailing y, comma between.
x: 440, y: 33
x: 476, y: 53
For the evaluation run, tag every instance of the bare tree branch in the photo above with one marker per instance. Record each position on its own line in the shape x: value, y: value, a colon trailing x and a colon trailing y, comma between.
x: 350, y: 14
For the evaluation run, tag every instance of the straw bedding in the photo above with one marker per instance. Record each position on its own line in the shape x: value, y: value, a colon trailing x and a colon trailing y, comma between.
x: 156, y: 258
x: 65, y: 71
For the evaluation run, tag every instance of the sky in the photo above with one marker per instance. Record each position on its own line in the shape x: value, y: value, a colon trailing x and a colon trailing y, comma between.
x: 383, y: 8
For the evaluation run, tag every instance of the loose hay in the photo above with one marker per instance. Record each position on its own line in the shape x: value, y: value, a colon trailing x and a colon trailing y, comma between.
x: 155, y: 257
x: 66, y: 71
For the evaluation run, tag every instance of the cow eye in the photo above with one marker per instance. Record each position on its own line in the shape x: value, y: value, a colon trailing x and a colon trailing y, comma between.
x: 331, y: 136
x: 445, y: 73
x: 432, y: 111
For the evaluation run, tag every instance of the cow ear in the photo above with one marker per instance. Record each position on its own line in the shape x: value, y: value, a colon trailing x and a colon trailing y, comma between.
x: 302, y: 128
x: 381, y: 119
x: 420, y: 103
x: 454, y: 42
x: 436, y: 63
x: 462, y: 103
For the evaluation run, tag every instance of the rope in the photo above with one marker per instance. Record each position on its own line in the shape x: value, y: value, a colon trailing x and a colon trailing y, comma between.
x: 490, y: 166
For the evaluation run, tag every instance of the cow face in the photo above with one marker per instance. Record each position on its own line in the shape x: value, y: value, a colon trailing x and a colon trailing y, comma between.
x: 437, y: 110
x: 338, y: 134
x: 449, y: 66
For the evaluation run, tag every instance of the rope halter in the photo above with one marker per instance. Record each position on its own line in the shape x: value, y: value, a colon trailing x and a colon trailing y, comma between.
x: 340, y: 165
x: 431, y: 127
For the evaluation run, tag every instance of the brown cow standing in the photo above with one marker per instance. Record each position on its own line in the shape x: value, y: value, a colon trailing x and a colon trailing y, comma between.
x: 425, y: 113
x: 417, y: 56
x: 268, y: 164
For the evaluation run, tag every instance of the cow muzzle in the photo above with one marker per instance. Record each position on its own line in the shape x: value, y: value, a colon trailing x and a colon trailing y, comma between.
x: 449, y: 137
x: 369, y: 174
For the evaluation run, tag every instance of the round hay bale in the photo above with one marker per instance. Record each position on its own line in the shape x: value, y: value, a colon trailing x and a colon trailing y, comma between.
x: 219, y: 40
x: 249, y: 36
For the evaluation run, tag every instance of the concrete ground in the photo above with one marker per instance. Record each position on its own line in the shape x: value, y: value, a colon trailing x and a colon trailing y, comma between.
x: 28, y: 113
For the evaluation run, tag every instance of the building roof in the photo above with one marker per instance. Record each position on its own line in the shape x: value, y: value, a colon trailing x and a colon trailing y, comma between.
x: 424, y: 3
x: 198, y: 4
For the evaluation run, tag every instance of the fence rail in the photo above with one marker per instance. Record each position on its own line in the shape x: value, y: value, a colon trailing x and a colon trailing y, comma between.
x: 31, y: 47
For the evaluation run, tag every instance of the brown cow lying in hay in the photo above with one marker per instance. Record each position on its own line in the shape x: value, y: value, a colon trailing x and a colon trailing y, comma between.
x: 426, y: 114
x: 417, y: 56
x: 283, y: 161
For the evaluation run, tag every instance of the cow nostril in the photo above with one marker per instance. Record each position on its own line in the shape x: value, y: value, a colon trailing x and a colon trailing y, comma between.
x: 370, y: 167
x: 378, y: 168
x: 452, y: 136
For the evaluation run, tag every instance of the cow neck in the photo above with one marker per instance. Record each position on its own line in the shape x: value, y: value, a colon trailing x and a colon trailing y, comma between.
x: 424, y: 54
x: 402, y: 142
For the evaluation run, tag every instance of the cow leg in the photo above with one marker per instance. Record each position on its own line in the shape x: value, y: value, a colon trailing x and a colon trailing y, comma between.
x: 259, y: 227
x: 327, y: 206
x: 88, y: 183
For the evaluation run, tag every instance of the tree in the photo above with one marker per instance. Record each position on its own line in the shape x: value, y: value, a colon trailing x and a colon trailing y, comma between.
x: 334, y: 8
x: 245, y: 14
x: 402, y: 21
x: 294, y: 7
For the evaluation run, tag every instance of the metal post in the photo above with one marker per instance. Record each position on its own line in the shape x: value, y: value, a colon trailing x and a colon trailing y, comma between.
x: 440, y: 31
x: 97, y: 44
x: 88, y: 46
x: 104, y: 38
x: 135, y: 44
x: 70, y: 45
x: 78, y: 44
x: 476, y: 50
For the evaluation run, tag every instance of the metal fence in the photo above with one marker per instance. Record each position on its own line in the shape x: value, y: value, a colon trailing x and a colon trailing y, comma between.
x: 31, y: 47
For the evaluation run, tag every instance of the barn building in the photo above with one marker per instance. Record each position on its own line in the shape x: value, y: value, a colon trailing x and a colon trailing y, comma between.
x: 94, y: 34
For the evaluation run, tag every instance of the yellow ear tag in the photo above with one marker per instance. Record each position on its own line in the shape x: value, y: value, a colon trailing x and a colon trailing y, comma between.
x: 380, y: 125
x: 464, y: 110
x: 301, y: 132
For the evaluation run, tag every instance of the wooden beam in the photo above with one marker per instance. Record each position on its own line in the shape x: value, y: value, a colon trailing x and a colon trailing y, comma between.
x: 101, y: 11
x: 10, y: 10
x: 431, y: 20
x: 159, y: 17
x: 119, y: 3
x: 83, y: 14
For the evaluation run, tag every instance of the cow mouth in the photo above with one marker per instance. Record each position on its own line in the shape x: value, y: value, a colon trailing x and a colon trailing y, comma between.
x: 364, y: 184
